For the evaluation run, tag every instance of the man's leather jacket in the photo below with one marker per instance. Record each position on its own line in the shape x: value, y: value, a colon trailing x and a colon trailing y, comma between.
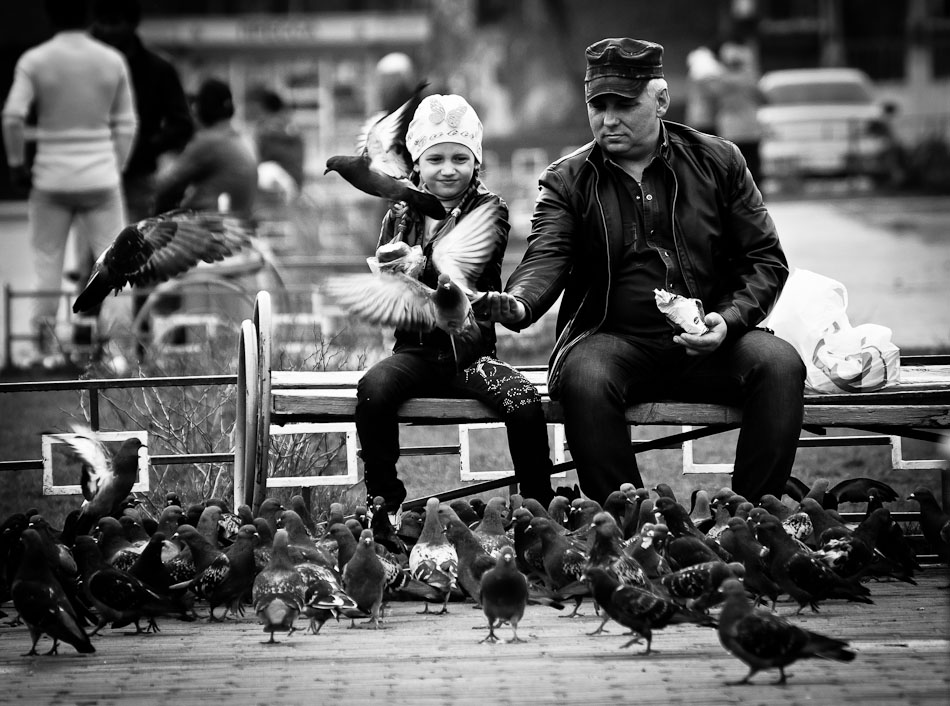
x: 728, y: 249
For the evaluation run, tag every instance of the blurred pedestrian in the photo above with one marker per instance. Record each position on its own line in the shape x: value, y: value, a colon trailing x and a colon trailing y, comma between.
x: 703, y: 68
x: 86, y: 125
x: 217, y: 161
x: 217, y: 170
x: 165, y: 123
x: 738, y: 100
x: 396, y: 80
x: 280, y: 147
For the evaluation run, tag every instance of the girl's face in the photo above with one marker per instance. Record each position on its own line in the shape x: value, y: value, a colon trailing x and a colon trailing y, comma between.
x: 446, y: 169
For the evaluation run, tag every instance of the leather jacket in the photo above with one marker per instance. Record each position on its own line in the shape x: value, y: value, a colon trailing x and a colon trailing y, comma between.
x: 728, y: 249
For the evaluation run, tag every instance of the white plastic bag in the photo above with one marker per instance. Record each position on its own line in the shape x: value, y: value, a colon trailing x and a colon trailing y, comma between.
x: 811, y: 314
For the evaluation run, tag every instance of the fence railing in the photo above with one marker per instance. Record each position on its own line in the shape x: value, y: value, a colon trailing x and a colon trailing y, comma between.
x: 94, y: 387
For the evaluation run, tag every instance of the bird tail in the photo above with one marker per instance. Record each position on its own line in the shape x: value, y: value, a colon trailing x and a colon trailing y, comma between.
x: 697, y: 617
x: 535, y: 598
x: 853, y: 592
x: 419, y: 590
x: 94, y: 293
x: 828, y: 648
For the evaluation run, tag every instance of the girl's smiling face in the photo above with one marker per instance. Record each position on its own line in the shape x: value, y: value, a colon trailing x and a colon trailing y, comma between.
x: 446, y: 169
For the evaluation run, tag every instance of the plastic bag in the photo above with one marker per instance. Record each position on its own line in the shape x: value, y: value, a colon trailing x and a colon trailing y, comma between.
x: 398, y: 257
x: 811, y: 314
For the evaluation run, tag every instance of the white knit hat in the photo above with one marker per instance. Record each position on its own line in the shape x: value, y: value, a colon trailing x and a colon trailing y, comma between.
x: 441, y: 119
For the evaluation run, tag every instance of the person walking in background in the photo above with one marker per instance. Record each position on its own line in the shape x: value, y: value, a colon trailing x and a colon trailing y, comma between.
x: 216, y: 169
x: 738, y: 99
x: 165, y: 123
x: 702, y: 70
x: 444, y: 140
x: 276, y: 137
x: 653, y: 205
x: 217, y: 161
x: 86, y: 126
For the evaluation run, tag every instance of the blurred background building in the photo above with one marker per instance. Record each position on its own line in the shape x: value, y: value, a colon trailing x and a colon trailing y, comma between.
x: 519, y: 63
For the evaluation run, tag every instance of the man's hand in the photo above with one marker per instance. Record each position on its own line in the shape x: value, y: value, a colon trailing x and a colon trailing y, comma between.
x: 505, y: 309
x: 706, y: 343
x: 20, y: 180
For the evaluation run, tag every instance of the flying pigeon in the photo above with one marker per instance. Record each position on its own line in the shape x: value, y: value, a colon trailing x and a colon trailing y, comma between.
x: 159, y: 248
x: 106, y: 479
x: 403, y: 302
x: 382, y: 164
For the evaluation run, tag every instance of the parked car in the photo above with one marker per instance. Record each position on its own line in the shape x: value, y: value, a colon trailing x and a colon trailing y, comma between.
x: 825, y: 122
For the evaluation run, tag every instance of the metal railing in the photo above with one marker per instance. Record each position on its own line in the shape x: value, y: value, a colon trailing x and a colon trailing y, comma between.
x: 94, y: 387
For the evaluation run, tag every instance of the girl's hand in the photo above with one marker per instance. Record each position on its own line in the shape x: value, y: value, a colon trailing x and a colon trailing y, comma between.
x: 398, y: 209
x: 708, y: 342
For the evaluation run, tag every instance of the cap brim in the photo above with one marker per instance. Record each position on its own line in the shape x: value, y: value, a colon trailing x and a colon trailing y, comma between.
x: 616, y: 86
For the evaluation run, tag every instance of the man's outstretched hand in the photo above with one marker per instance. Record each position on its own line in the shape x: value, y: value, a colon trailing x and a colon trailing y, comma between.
x: 706, y: 343
x: 505, y: 309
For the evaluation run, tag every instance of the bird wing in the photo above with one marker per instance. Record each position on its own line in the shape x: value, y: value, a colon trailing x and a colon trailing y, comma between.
x: 463, y: 251
x: 382, y: 138
x: 855, y: 490
x: 176, y: 241
x: 97, y: 463
x: 385, y: 299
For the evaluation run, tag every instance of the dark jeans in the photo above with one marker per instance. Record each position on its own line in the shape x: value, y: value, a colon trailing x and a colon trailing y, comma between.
x: 758, y: 372
x: 424, y: 372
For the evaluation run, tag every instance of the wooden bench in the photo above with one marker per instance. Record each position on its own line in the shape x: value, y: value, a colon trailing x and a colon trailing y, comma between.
x: 274, y: 401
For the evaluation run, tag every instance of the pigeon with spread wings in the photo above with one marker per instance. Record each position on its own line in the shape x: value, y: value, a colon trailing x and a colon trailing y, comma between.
x: 107, y: 480
x: 394, y: 299
x: 158, y: 248
x: 381, y: 165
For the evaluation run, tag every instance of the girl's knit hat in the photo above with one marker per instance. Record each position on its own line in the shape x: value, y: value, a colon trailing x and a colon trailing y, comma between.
x: 447, y: 118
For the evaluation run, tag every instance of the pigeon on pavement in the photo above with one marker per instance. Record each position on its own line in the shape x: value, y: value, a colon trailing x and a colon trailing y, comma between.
x: 278, y: 593
x: 564, y: 560
x: 40, y: 601
x: 933, y: 522
x: 433, y: 558
x: 504, y: 594
x: 764, y: 640
x: 802, y: 574
x: 364, y: 578
x: 490, y: 532
x: 635, y: 608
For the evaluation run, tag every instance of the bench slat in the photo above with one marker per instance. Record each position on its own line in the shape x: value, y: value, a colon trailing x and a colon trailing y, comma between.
x: 340, y: 405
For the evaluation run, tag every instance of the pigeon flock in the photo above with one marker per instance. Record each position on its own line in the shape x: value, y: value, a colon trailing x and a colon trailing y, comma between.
x: 644, y: 560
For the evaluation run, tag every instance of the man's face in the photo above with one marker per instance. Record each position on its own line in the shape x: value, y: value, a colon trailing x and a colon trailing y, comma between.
x: 625, y: 127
